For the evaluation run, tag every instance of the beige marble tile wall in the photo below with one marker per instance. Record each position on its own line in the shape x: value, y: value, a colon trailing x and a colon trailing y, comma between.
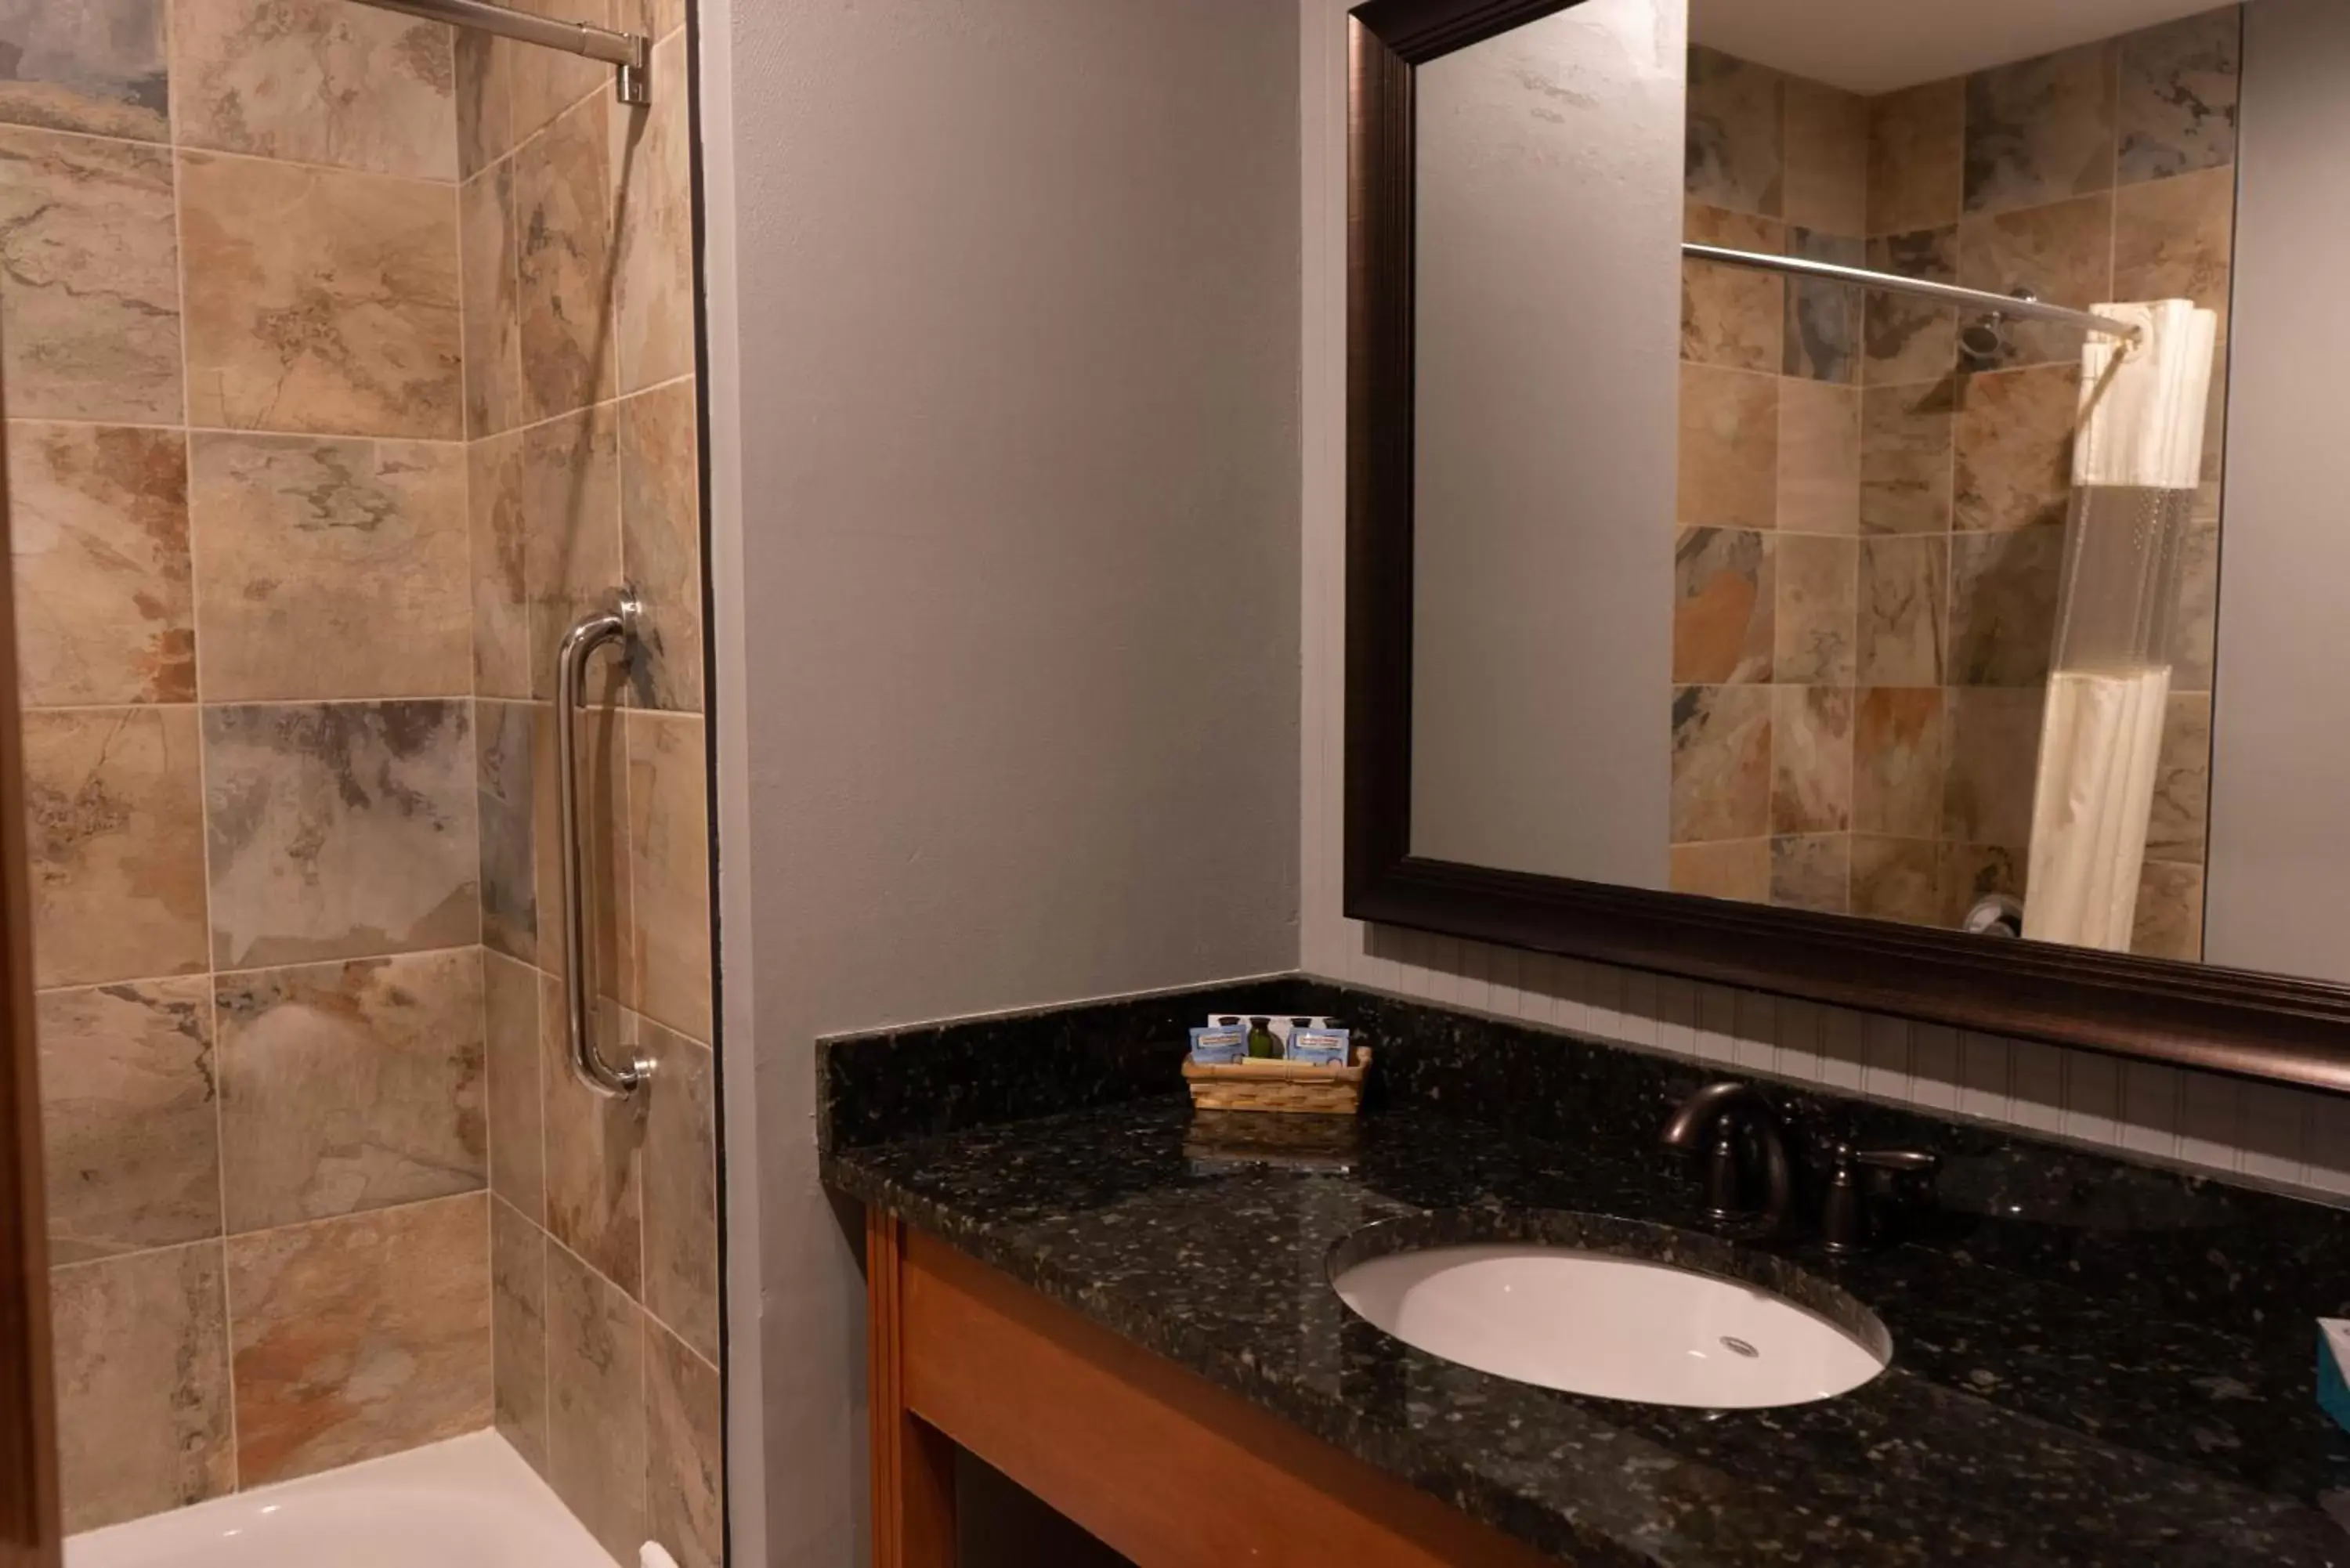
x: 317, y: 324
x: 582, y: 415
x: 2103, y: 171
x: 230, y: 309
x: 1768, y: 507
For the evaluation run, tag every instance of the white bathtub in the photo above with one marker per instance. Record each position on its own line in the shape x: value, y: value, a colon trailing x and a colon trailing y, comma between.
x: 468, y: 1502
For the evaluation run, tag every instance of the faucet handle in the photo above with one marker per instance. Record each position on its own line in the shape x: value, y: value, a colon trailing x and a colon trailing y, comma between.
x: 1847, y: 1222
x: 1901, y: 1162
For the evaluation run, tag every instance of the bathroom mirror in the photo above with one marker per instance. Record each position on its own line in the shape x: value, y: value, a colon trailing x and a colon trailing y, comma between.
x: 1840, y: 501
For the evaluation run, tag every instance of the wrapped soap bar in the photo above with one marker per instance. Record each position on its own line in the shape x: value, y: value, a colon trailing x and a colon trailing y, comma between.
x: 1218, y: 1044
x: 1319, y: 1041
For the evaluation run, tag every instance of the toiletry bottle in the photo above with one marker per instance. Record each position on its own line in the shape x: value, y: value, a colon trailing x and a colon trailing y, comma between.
x: 1262, y: 1041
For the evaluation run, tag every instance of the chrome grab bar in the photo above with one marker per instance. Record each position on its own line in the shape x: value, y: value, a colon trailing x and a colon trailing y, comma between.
x: 579, y: 644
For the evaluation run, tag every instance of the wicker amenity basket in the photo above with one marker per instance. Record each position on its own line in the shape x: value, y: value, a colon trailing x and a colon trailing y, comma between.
x: 1279, y: 1085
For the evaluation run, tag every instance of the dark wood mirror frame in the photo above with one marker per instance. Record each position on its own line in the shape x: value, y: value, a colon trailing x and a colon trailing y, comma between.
x: 2193, y: 1016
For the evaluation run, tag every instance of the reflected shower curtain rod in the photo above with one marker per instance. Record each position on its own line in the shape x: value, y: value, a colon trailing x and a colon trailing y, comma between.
x: 2017, y: 306
x: 629, y: 53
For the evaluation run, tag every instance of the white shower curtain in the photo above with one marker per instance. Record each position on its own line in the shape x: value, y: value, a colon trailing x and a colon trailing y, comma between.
x: 2137, y: 458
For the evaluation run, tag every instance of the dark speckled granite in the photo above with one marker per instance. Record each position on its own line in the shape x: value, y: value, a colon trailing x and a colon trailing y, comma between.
x: 2168, y: 1241
x: 2120, y: 1373
x: 935, y: 1079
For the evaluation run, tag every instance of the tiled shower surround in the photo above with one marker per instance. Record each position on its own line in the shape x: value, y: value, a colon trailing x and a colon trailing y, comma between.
x: 1871, y: 523
x: 347, y: 362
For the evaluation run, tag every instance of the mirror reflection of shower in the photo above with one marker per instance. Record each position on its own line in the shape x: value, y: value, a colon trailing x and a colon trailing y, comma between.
x: 1885, y: 543
x: 1984, y: 340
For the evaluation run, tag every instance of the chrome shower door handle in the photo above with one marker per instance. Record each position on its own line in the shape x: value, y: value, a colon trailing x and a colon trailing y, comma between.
x: 579, y: 644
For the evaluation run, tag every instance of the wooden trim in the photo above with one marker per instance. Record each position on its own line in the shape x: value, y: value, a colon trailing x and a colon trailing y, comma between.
x: 30, y: 1533
x: 913, y: 1464
x: 1378, y: 456
x: 1419, y: 31
x: 2187, y: 1015
x: 2190, y: 1015
x: 1154, y: 1461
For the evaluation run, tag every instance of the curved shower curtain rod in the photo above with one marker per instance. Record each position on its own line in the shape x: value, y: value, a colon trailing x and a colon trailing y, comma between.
x: 629, y: 53
x: 2016, y: 307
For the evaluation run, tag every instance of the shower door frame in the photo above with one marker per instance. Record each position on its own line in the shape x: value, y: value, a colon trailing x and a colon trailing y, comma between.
x: 31, y: 1532
x: 2243, y: 1023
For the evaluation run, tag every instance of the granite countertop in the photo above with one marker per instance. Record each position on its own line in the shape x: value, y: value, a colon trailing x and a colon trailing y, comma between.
x: 2052, y: 1398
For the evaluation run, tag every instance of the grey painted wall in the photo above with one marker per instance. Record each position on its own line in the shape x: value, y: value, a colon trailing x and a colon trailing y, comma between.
x: 2279, y: 876
x: 1005, y: 481
x: 1549, y: 320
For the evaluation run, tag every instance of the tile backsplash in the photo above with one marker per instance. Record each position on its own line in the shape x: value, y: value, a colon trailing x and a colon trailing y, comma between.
x: 347, y: 360
x: 2293, y: 1139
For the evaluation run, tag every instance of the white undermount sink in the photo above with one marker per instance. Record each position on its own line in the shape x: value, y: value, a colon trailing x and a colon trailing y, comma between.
x: 1612, y: 1326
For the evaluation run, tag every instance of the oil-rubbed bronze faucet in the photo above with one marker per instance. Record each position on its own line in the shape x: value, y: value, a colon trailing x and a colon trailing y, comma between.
x: 1848, y: 1219
x: 1721, y: 1120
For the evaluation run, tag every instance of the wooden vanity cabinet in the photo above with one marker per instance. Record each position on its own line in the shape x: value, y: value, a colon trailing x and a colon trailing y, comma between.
x: 1152, y: 1459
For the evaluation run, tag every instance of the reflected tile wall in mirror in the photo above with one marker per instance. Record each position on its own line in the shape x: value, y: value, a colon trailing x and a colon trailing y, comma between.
x: 1872, y: 521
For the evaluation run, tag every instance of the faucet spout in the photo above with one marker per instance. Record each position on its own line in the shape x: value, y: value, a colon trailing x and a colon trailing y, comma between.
x: 1720, y: 1109
x: 1698, y: 1113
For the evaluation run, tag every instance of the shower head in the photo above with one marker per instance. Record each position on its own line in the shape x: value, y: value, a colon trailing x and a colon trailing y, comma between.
x: 1985, y: 338
x: 1995, y: 915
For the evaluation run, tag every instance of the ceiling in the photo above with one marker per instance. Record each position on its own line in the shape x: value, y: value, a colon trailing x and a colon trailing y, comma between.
x: 1875, y: 46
